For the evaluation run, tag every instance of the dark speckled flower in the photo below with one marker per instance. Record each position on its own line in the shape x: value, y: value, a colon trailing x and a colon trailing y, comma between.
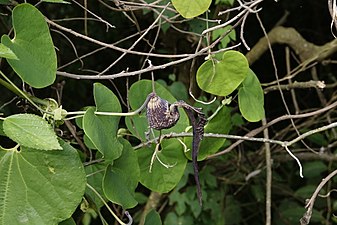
x: 163, y: 115
x: 160, y: 113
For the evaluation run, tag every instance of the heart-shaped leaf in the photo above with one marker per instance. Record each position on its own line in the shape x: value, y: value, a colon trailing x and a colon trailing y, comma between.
x: 31, y: 131
x: 40, y: 187
x: 190, y: 9
x: 101, y: 129
x: 33, y: 46
x: 167, y: 169
x: 251, y: 98
x: 223, y: 77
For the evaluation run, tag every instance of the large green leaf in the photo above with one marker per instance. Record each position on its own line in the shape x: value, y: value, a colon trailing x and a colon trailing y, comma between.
x: 160, y: 178
x: 221, y: 124
x: 223, y: 77
x: 138, y: 124
x: 190, y: 9
x: 40, y: 187
x: 102, y: 130
x: 121, y: 179
x: 33, y: 46
x: 31, y: 131
x: 251, y: 98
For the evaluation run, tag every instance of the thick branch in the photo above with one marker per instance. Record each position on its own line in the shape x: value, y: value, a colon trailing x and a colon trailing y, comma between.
x: 307, y: 51
x: 308, y: 84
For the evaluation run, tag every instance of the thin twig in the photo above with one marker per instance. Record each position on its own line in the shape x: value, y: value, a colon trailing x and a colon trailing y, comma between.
x: 268, y: 175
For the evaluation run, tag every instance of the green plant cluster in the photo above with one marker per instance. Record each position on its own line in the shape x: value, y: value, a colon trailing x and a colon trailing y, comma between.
x: 47, y: 179
x: 44, y: 174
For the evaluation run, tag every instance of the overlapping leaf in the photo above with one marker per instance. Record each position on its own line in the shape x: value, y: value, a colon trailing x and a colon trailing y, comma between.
x: 251, y: 98
x: 101, y: 129
x: 121, y: 179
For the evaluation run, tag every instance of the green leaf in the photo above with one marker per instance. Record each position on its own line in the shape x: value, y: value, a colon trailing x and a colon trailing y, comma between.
x: 102, y: 130
x: 232, y: 213
x: 258, y: 192
x: 223, y: 77
x: 251, y: 98
x: 152, y: 218
x: 225, y: 2
x: 116, y: 189
x: 121, y: 179
x: 2, y: 133
x: 56, y: 1
x: 160, y: 178
x: 314, y: 169
x: 172, y: 218
x: 189, y: 9
x: 95, y: 173
x: 291, y: 212
x: 40, y: 187
x: 31, y: 131
x: 69, y: 221
x: 318, y: 138
x: 33, y: 45
x: 6, y: 52
x: 221, y: 124
x: 225, y: 40
x: 138, y: 124
x: 178, y: 90
x: 5, y: 2
x: 306, y: 192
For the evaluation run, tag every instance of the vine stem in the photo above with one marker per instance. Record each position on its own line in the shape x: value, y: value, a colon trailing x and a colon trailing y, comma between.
x: 310, y: 203
x: 11, y: 86
x: 110, y: 210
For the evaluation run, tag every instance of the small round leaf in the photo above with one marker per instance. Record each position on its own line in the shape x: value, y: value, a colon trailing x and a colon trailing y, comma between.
x: 223, y: 77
